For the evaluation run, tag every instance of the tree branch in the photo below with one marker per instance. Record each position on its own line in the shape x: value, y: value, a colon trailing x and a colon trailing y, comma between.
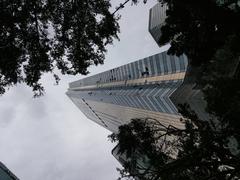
x: 121, y: 6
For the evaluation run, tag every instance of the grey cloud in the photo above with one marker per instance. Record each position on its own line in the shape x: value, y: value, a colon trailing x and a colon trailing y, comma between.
x: 7, y: 116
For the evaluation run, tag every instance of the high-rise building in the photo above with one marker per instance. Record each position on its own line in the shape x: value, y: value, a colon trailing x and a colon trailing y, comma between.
x: 157, y: 16
x: 141, y: 89
x: 6, y: 174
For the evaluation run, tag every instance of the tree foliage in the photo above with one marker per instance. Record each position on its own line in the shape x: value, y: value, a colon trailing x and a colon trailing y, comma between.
x: 38, y: 36
x: 207, y: 32
x: 199, y: 28
x: 221, y: 81
x: 200, y: 151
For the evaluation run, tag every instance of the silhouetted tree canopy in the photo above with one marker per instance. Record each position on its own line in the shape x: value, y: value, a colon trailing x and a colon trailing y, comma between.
x: 221, y: 84
x: 38, y: 36
x: 201, y: 151
x: 199, y: 28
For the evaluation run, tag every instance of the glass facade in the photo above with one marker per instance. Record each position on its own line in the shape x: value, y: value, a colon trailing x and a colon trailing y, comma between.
x: 153, y: 66
x: 135, y: 90
x: 157, y: 16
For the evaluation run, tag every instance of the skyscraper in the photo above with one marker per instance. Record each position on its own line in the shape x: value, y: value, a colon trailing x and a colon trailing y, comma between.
x: 6, y: 174
x: 141, y: 89
x: 157, y: 16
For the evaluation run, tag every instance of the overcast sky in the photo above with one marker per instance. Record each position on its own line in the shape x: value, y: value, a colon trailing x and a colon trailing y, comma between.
x: 48, y: 138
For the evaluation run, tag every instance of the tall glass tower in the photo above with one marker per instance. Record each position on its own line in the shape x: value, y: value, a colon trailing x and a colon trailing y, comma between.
x: 157, y: 16
x: 141, y: 89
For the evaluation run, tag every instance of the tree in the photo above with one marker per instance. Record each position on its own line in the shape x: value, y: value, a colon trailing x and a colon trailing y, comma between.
x: 200, y: 151
x: 199, y: 28
x: 221, y: 84
x: 38, y: 36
